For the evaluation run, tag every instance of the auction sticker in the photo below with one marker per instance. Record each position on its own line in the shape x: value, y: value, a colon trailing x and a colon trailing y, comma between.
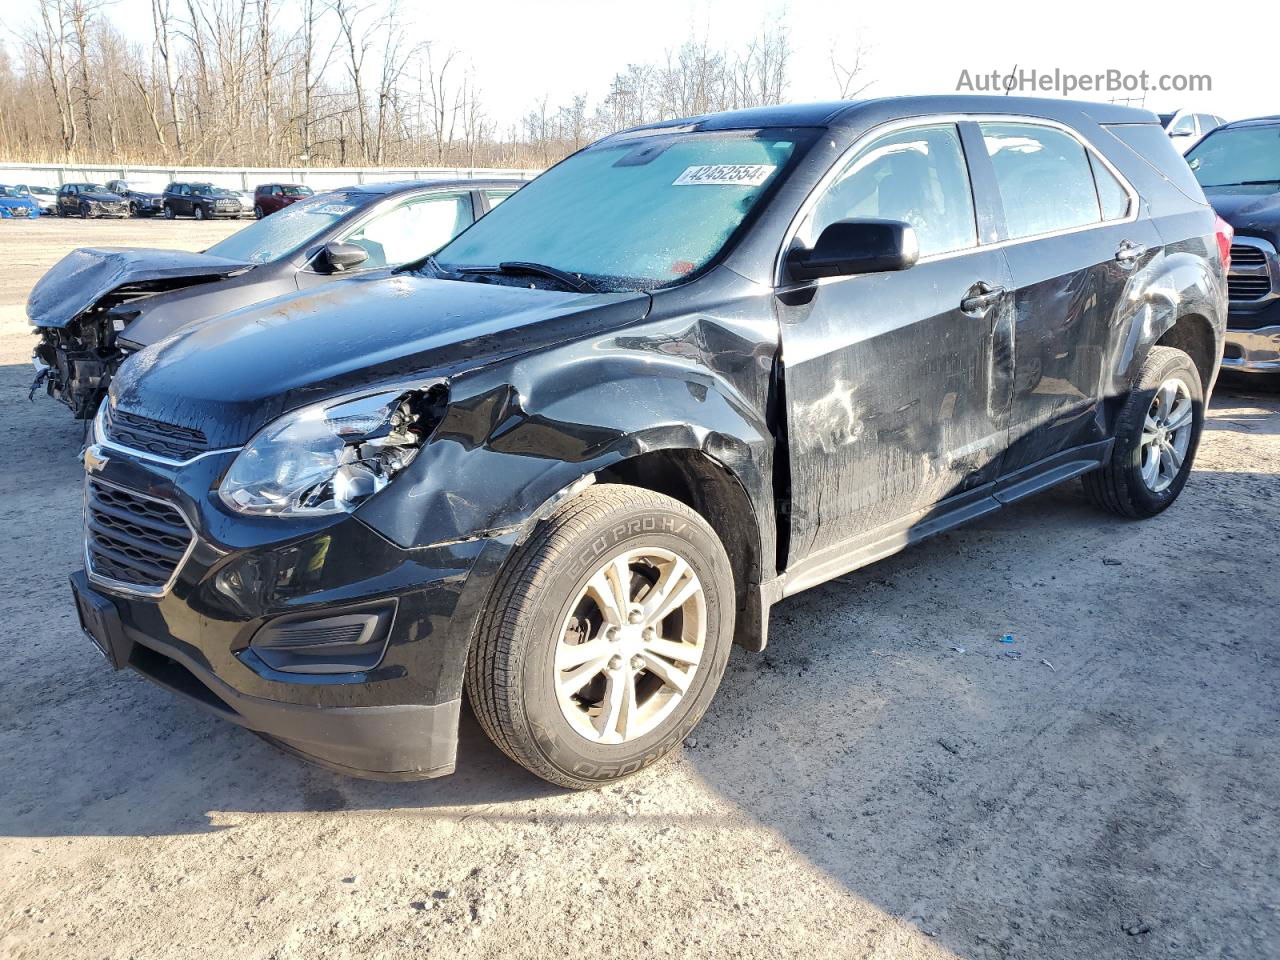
x: 726, y: 174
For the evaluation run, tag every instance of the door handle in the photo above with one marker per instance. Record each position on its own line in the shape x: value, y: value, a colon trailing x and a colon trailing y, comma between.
x: 981, y: 301
x: 1128, y: 251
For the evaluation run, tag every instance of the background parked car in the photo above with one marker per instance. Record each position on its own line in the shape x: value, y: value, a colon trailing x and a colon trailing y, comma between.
x: 143, y: 200
x: 96, y: 306
x: 270, y: 197
x: 16, y: 202
x: 90, y: 200
x: 46, y: 197
x: 203, y: 201
x: 1238, y: 165
x: 1186, y: 129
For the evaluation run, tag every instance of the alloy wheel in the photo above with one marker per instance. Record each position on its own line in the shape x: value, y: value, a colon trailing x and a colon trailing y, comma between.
x: 1166, y: 434
x: 631, y: 645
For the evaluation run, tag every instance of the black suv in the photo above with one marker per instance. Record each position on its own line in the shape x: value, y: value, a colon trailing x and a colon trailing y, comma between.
x: 572, y: 458
x: 142, y: 202
x: 203, y: 201
x: 1239, y: 167
x: 86, y: 200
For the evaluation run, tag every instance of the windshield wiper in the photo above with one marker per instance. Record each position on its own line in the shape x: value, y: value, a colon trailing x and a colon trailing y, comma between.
x: 571, y: 280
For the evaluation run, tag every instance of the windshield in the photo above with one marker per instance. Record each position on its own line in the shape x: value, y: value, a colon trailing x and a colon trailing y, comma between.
x: 42, y: 191
x: 296, y: 191
x: 636, y: 214
x: 282, y: 233
x: 1236, y: 156
x: 9, y: 192
x: 93, y: 188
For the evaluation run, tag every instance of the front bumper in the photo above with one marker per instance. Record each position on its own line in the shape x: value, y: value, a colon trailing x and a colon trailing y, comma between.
x: 1252, y: 351
x: 395, y: 718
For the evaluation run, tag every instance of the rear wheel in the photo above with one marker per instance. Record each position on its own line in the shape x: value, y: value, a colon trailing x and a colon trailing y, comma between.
x: 1157, y: 434
x: 605, y: 638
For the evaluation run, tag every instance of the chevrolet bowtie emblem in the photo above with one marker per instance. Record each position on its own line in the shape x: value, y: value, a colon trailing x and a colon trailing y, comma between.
x: 94, y: 459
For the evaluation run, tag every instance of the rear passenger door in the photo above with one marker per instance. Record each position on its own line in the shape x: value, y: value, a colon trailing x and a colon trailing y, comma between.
x: 895, y: 383
x: 1074, y: 242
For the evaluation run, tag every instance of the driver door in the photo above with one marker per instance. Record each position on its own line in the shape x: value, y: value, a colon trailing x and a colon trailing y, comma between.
x: 897, y: 384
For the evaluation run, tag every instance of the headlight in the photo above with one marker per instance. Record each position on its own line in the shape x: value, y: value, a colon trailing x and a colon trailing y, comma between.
x: 330, y: 457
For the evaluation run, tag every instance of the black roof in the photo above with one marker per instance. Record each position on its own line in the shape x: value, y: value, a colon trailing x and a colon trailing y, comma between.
x: 841, y: 113
x: 1253, y: 122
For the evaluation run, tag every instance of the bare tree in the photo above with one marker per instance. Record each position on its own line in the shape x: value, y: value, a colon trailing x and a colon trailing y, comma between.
x: 849, y: 72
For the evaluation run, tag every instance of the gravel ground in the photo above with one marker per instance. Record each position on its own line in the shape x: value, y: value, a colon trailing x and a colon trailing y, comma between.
x: 863, y: 789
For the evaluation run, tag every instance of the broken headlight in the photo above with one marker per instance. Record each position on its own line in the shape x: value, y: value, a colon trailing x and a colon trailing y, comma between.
x: 330, y: 457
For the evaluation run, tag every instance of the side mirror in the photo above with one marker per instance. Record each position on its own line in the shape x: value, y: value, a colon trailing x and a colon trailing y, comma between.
x: 342, y: 256
x: 849, y: 247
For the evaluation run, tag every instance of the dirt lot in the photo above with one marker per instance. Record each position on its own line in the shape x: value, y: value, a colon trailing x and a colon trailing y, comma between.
x: 861, y: 790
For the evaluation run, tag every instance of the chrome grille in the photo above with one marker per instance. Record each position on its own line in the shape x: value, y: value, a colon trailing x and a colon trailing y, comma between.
x: 133, y: 540
x: 169, y: 440
x: 1254, y: 274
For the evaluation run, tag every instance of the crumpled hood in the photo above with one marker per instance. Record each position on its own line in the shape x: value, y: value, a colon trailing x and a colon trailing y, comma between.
x: 101, y: 197
x: 1253, y: 209
x: 83, y: 276
x: 230, y: 375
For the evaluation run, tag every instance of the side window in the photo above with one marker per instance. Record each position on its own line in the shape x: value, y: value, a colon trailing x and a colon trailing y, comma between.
x: 1044, y: 178
x: 1185, y: 124
x: 412, y: 229
x: 918, y: 176
x: 495, y: 197
x: 1111, y: 192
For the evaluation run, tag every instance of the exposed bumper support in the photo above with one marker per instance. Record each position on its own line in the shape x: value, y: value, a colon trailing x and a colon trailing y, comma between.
x: 1252, y: 351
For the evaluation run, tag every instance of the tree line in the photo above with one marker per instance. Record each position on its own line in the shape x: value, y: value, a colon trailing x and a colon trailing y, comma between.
x: 326, y: 83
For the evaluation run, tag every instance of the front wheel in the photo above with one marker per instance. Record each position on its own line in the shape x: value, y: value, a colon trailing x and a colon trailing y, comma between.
x: 85, y: 212
x: 605, y: 638
x: 257, y: 212
x: 1157, y: 433
x: 168, y: 212
x: 199, y: 212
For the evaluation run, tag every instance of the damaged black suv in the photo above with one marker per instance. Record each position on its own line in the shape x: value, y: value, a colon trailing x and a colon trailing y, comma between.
x: 568, y: 461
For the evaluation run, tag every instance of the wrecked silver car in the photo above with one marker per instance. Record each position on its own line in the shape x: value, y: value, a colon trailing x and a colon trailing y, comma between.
x: 97, y: 305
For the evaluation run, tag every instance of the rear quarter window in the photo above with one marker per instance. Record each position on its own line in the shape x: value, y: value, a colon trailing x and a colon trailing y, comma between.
x: 1153, y: 145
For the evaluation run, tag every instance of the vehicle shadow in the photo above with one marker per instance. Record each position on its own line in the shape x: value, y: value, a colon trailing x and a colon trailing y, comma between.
x: 890, y: 737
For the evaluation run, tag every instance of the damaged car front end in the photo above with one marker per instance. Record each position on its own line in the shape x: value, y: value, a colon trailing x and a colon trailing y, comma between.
x: 81, y: 306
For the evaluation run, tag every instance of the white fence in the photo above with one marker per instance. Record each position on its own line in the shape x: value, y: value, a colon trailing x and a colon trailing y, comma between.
x: 239, y: 178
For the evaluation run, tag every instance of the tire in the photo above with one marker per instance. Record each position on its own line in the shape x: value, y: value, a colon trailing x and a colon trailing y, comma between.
x: 198, y: 213
x: 257, y: 213
x: 133, y: 209
x: 1120, y: 485
x: 513, y: 670
x: 168, y: 212
x: 85, y: 212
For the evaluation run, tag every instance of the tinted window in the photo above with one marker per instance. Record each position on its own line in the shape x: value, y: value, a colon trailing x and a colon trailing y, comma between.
x: 294, y: 191
x: 633, y: 214
x: 917, y: 176
x: 1111, y: 193
x: 1044, y: 177
x: 1150, y: 143
x: 1237, y: 155
x: 411, y: 230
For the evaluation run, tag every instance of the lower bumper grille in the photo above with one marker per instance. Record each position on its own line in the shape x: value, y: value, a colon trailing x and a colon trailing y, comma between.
x: 132, y: 540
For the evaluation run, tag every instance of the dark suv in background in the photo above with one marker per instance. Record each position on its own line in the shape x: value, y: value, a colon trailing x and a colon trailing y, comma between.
x: 87, y: 200
x: 571, y: 458
x: 203, y: 201
x: 1238, y: 165
x: 142, y: 202
x: 270, y: 197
